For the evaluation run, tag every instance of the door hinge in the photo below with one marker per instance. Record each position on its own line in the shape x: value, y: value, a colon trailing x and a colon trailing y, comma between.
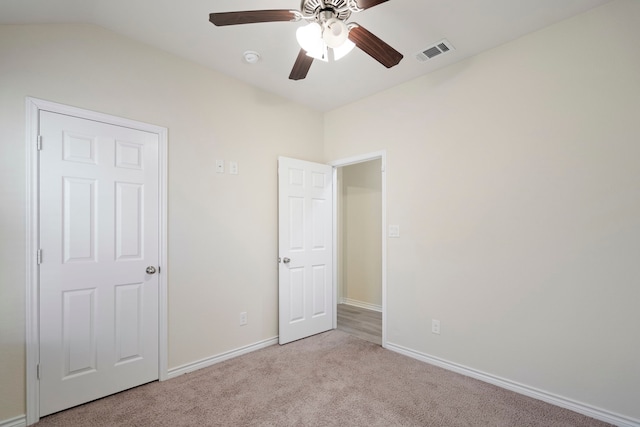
x: 38, y: 371
x: 39, y: 143
x: 39, y: 256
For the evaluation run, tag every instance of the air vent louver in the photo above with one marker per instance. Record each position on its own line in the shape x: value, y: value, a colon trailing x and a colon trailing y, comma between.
x: 439, y: 48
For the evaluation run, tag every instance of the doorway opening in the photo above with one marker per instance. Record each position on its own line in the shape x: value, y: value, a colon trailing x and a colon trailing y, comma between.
x: 360, y: 247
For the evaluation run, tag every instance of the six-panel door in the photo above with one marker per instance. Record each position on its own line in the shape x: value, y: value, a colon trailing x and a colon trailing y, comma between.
x: 305, y: 210
x: 99, y: 218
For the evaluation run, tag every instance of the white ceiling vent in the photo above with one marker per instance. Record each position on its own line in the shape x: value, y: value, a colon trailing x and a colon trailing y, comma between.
x: 443, y: 46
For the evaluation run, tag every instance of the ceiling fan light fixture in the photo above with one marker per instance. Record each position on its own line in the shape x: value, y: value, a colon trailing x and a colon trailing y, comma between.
x: 342, y: 50
x: 322, y: 54
x: 308, y: 36
x: 335, y: 33
x: 310, y: 39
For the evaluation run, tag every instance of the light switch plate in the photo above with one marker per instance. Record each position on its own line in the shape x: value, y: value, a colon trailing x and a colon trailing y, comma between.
x: 233, y: 167
x: 220, y: 166
x: 394, y: 231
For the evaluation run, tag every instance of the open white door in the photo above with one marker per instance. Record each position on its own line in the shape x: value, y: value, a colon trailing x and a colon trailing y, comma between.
x: 305, y: 244
x: 99, y: 240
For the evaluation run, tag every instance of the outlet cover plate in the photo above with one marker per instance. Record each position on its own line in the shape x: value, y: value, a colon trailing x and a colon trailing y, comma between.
x: 435, y: 326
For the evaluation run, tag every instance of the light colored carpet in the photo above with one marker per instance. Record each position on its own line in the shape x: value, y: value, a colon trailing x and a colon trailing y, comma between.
x: 331, y: 379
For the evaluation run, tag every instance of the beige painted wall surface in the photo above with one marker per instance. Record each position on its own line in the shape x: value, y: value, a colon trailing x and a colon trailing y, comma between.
x: 361, y: 210
x: 515, y: 179
x: 222, y: 228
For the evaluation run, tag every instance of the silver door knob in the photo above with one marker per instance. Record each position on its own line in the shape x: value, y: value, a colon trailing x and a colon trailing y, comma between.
x: 286, y: 260
x: 151, y: 269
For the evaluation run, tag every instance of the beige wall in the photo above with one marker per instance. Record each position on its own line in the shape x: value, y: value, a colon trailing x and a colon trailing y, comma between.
x: 222, y: 228
x: 513, y: 175
x: 361, y: 225
x: 515, y: 179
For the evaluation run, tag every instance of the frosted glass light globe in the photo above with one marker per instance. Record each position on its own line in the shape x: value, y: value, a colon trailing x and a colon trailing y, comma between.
x: 343, y: 50
x: 335, y: 33
x: 310, y: 38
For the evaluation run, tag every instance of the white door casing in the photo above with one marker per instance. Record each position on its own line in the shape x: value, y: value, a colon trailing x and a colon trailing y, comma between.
x: 101, y: 320
x: 305, y: 244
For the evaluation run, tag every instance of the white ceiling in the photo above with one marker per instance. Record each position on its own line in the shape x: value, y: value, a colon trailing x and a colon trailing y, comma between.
x: 183, y: 28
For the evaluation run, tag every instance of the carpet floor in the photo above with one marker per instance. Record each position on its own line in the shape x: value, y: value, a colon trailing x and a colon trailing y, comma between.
x: 330, y: 379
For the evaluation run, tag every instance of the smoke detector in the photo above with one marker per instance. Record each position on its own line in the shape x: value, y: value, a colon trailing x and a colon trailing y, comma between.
x: 443, y: 46
x: 251, y: 57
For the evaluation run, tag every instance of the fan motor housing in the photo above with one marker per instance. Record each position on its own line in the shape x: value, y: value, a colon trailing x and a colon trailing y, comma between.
x: 315, y: 7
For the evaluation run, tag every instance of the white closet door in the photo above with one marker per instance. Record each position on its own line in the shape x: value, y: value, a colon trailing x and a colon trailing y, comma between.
x: 99, y: 218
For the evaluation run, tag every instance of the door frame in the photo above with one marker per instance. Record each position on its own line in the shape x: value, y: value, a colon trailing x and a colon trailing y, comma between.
x: 32, y: 336
x: 382, y: 155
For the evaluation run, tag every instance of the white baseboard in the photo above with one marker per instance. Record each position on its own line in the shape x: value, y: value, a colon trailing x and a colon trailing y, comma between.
x: 581, y: 408
x: 361, y: 304
x: 203, y: 363
x: 19, y: 421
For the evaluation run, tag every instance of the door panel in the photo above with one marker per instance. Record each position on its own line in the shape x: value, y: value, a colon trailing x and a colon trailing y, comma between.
x: 129, y: 221
x: 79, y: 332
x: 128, y: 322
x: 79, y: 219
x: 99, y: 222
x: 306, y: 249
x: 320, y: 282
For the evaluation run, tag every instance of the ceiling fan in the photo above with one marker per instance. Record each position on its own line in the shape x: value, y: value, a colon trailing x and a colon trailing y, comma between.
x: 326, y: 35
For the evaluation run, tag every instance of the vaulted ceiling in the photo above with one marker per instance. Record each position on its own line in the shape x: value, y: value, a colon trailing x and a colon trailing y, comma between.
x: 410, y: 26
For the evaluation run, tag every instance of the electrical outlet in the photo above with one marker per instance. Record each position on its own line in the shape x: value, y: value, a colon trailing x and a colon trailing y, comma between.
x: 435, y: 326
x: 243, y: 318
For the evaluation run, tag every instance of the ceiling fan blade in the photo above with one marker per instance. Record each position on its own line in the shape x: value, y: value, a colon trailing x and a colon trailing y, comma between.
x: 366, y: 4
x: 251, y: 17
x: 374, y: 46
x: 301, y: 66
